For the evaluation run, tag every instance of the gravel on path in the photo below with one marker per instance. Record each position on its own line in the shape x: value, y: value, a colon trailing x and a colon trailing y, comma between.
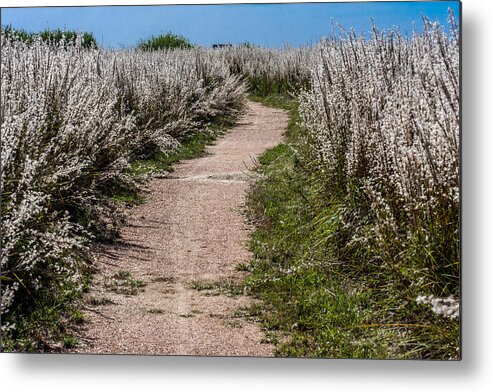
x: 189, y: 234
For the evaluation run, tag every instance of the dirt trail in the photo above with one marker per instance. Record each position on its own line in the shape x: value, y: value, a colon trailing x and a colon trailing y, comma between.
x: 189, y: 231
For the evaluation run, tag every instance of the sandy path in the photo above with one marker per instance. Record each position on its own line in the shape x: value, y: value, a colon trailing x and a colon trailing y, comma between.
x: 189, y: 230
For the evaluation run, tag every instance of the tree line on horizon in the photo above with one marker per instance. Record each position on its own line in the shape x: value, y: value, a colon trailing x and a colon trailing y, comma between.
x: 167, y: 41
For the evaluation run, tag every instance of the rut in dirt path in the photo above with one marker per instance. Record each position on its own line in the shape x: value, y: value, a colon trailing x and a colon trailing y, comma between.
x: 188, y: 233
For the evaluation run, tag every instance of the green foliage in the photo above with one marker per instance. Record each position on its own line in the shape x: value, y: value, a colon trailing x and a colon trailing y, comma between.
x: 57, y: 37
x: 122, y: 282
x: 226, y: 287
x: 282, y: 101
x: 165, y: 42
x: 192, y: 146
x: 127, y: 197
x: 279, y: 85
x: 52, y: 37
x: 70, y: 341
x: 44, y: 319
x: 17, y: 34
x: 322, y: 295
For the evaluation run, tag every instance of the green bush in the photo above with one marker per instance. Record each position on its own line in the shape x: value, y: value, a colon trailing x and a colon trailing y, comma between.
x: 53, y: 37
x: 165, y: 41
x: 68, y: 38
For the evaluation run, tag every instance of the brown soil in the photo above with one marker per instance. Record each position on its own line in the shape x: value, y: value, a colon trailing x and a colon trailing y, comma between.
x: 188, y: 233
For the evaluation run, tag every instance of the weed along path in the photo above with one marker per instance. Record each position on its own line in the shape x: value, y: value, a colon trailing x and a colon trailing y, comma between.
x: 167, y: 286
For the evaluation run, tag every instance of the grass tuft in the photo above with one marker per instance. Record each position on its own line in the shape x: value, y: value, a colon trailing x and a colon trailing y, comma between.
x: 226, y: 287
x: 122, y: 282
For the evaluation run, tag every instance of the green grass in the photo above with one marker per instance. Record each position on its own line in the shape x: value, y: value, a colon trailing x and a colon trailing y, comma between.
x: 320, y: 295
x: 53, y: 37
x: 122, y: 282
x: 128, y: 198
x: 280, y: 101
x: 192, y: 147
x: 50, y: 324
x: 226, y: 287
x: 70, y: 341
x: 265, y: 86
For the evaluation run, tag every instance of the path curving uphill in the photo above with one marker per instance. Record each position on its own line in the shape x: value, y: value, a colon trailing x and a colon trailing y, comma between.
x: 183, y: 244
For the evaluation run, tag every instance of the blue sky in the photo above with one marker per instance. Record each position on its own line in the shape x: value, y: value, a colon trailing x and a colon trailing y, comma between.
x: 271, y: 25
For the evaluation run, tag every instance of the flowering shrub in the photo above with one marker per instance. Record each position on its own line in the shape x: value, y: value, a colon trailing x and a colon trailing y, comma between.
x: 382, y: 118
x: 270, y: 71
x: 71, y: 120
x: 447, y: 307
x: 356, y: 252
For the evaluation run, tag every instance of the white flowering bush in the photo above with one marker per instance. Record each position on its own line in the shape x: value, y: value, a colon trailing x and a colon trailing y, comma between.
x: 447, y: 307
x: 270, y: 71
x: 357, y: 242
x: 382, y: 117
x: 72, y: 119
